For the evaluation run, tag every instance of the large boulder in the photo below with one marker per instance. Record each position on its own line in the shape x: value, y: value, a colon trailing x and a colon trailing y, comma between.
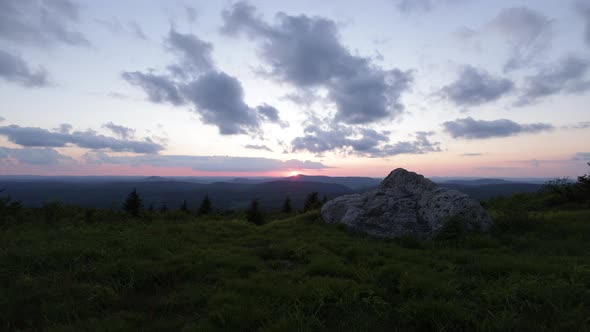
x: 405, y: 204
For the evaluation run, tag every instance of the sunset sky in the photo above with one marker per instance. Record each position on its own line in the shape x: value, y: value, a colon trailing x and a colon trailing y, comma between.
x: 442, y: 87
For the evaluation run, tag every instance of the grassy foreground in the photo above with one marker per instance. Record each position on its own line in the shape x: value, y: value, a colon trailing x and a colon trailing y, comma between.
x: 297, y: 274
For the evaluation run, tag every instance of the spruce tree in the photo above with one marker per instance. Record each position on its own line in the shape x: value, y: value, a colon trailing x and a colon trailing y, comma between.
x: 254, y: 215
x: 205, y: 207
x: 132, y: 204
x: 312, y: 202
x: 287, y: 206
x: 184, y: 207
x: 164, y: 208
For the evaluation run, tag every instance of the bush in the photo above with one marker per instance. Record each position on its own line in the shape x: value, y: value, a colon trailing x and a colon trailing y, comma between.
x: 453, y: 228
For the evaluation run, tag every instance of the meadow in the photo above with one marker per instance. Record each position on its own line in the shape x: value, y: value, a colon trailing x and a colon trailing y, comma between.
x: 75, y: 269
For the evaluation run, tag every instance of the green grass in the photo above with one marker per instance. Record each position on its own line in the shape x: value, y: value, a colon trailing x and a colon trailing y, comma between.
x: 532, y: 273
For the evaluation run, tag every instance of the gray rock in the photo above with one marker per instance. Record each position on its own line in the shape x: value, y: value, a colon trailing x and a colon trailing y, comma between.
x: 405, y: 204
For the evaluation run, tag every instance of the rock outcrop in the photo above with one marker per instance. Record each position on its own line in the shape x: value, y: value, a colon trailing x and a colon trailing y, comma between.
x: 405, y: 204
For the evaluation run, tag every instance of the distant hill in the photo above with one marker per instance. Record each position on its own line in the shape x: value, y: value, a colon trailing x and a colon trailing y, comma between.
x: 478, y: 182
x: 486, y: 191
x: 224, y: 195
x: 352, y: 182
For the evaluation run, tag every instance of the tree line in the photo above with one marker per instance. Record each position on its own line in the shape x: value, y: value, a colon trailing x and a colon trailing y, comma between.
x: 133, y: 205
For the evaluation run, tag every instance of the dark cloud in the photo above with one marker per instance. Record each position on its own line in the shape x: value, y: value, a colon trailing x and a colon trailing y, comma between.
x: 475, y: 87
x: 206, y: 163
x: 408, y: 6
x: 136, y: 30
x: 258, y: 147
x: 421, y: 6
x: 469, y: 128
x: 583, y: 9
x: 191, y: 14
x: 159, y: 88
x: 217, y: 97
x: 568, y: 75
x: 2, y: 119
x: 64, y: 128
x: 33, y: 156
x: 112, y: 25
x: 41, y: 22
x: 39, y: 137
x: 194, y: 52
x: 360, y: 141
x: 307, y: 52
x: 120, y: 131
x: 15, y: 70
x: 528, y: 33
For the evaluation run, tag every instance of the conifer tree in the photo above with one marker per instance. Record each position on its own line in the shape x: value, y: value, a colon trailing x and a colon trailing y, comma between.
x: 184, y: 207
x: 254, y: 215
x: 164, y: 208
x: 132, y: 204
x: 205, y: 207
x: 287, y: 206
x: 312, y: 202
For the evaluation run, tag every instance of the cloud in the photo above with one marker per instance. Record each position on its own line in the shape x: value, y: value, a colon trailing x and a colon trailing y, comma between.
x: 136, y: 30
x: 359, y: 141
x: 583, y: 9
x: 582, y: 125
x: 471, y: 154
x: 258, y: 147
x: 205, y: 163
x: 527, y: 32
x: 33, y: 156
x: 468, y: 128
x: 159, y: 88
x: 408, y: 6
x: 217, y: 97
x: 568, y: 75
x: 191, y: 14
x: 307, y: 53
x: 2, y: 119
x: 475, y: 87
x: 220, y: 101
x: 39, y: 137
x: 64, y: 128
x: 15, y: 70
x: 194, y: 52
x: 584, y: 156
x: 422, y: 6
x: 41, y: 23
x: 120, y: 131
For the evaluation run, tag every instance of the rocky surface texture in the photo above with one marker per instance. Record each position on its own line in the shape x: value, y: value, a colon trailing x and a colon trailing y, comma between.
x: 405, y: 204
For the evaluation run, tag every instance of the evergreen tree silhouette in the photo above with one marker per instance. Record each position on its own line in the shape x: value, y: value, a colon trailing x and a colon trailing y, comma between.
x: 254, y: 215
x: 132, y: 204
x: 164, y: 208
x: 287, y: 206
x: 205, y: 207
x: 184, y: 207
x: 325, y: 200
x: 312, y: 202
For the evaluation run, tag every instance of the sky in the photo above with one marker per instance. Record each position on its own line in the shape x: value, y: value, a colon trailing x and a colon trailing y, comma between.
x: 468, y: 88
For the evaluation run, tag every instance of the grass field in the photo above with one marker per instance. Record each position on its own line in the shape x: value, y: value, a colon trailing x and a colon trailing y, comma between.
x: 295, y: 274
